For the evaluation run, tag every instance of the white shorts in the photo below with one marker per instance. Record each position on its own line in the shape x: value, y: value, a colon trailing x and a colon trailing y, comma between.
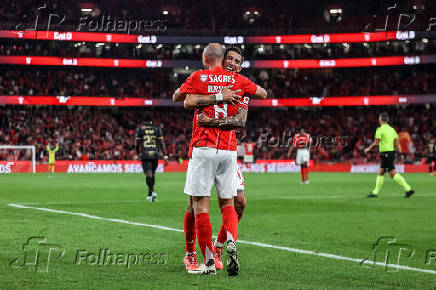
x: 208, y: 166
x: 239, y: 179
x: 303, y: 155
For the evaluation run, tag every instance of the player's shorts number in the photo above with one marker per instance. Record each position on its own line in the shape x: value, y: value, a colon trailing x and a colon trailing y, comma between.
x: 220, y: 111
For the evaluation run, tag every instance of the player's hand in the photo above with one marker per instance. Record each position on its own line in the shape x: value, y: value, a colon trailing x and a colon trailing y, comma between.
x: 166, y: 160
x: 366, y: 150
x: 229, y: 96
x: 203, y: 120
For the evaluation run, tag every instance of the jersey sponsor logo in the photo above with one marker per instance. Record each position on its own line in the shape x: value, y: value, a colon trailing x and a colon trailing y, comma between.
x: 221, y: 79
x: 203, y: 78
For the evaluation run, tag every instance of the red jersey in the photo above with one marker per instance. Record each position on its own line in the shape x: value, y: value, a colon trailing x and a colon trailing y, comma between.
x: 206, y: 82
x: 301, y: 141
x: 249, y: 148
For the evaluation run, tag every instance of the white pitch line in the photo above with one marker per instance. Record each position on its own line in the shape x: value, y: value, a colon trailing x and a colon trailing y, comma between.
x: 82, y: 202
x: 263, y: 245
x: 302, y: 196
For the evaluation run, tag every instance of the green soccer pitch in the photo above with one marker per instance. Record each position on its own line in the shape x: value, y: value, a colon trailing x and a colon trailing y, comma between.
x: 302, y: 236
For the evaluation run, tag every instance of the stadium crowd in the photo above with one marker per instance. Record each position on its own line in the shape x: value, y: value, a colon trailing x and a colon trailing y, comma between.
x: 84, y: 133
x: 193, y: 51
x: 161, y: 84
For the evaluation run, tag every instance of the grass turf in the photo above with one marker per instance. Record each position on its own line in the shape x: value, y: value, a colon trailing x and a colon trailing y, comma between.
x: 330, y: 215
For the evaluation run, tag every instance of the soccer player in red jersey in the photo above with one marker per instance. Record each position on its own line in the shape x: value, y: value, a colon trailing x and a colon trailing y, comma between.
x: 233, y: 60
x: 213, y: 150
x: 302, y: 142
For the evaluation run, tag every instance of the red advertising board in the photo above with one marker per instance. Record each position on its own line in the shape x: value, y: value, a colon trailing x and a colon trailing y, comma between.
x: 134, y: 166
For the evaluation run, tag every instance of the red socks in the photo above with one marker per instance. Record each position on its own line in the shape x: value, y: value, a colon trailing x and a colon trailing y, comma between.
x: 222, y: 234
x: 204, y: 235
x: 190, y: 236
x: 230, y: 222
x: 304, y: 174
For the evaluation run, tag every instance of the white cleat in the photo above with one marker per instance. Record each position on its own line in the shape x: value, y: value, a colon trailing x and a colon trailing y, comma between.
x: 153, y: 196
x: 203, y: 270
x: 149, y: 198
x: 306, y: 182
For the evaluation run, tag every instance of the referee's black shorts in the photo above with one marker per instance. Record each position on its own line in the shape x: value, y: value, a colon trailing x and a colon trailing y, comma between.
x: 149, y: 164
x: 387, y: 160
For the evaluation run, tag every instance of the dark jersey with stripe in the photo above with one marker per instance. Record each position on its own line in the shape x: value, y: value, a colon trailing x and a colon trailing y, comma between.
x: 148, y: 135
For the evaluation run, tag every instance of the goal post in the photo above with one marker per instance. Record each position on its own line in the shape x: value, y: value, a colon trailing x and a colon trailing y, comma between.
x: 23, y: 147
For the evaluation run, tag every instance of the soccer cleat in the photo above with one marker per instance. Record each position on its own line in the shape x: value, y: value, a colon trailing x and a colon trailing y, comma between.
x: 372, y: 195
x: 306, y: 182
x: 218, y: 257
x: 153, y: 196
x: 232, y: 259
x: 409, y: 193
x: 149, y: 198
x: 203, y: 270
x: 190, y: 261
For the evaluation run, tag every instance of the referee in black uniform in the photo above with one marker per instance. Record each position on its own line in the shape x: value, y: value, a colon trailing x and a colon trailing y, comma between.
x: 148, y: 140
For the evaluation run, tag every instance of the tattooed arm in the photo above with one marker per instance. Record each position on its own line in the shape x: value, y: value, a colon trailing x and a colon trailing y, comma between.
x: 228, y: 123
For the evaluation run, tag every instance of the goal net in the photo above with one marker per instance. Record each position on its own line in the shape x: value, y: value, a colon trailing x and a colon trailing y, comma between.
x: 13, y: 153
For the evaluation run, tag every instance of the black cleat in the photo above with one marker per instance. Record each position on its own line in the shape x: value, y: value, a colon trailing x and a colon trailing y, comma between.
x: 409, y: 193
x: 232, y: 259
x: 372, y: 195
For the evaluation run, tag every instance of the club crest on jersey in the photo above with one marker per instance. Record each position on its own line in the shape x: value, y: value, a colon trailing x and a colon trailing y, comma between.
x: 203, y: 78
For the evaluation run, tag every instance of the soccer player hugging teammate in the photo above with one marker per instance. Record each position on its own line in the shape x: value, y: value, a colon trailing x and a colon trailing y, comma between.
x: 302, y: 142
x: 213, y: 154
x: 386, y: 138
x: 148, y: 140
